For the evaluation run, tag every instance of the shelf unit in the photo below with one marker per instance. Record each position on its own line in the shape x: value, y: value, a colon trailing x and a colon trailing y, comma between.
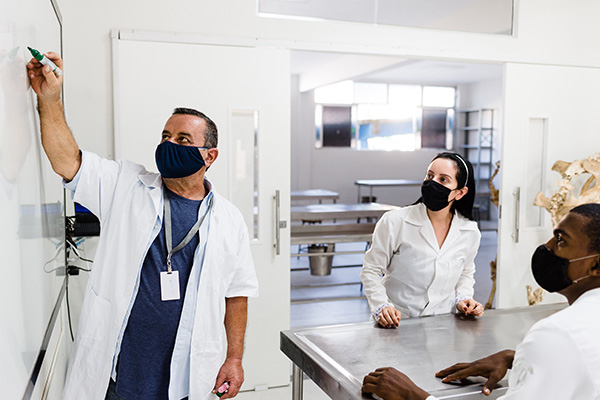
x: 475, y: 133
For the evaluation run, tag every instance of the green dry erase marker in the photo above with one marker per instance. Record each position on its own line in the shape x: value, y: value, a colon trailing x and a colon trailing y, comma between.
x: 45, y: 61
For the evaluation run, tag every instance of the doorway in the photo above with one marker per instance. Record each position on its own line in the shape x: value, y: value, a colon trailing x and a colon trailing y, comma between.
x: 478, y: 85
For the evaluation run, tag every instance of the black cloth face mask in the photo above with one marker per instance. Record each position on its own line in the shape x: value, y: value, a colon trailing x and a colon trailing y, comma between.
x: 550, y: 270
x: 435, y: 195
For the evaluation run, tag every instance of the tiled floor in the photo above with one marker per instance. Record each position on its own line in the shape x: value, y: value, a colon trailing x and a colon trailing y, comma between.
x: 351, y: 311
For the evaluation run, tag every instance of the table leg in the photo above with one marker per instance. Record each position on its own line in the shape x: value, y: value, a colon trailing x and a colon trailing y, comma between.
x: 297, y: 382
x: 358, y: 199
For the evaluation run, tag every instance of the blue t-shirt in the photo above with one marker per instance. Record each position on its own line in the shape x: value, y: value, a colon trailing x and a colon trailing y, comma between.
x: 143, y: 370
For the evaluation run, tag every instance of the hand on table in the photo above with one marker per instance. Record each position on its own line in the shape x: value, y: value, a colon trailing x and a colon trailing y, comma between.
x: 493, y: 368
x: 390, y: 384
x: 470, y: 307
x: 389, y: 317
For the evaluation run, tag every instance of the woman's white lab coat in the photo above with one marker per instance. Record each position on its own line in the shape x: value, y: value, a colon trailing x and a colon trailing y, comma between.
x: 128, y: 201
x: 420, y: 278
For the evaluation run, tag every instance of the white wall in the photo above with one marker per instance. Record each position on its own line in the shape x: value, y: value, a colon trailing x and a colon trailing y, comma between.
x: 548, y: 31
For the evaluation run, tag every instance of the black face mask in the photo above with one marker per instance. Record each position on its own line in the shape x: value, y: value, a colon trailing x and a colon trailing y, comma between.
x: 550, y: 270
x: 435, y: 195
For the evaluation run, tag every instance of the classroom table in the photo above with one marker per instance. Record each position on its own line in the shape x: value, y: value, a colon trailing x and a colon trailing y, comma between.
x: 338, y: 357
x: 370, y: 183
x: 314, y: 212
x: 331, y: 233
x: 315, y: 195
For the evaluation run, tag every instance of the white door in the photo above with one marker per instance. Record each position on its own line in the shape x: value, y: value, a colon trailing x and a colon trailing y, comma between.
x: 550, y: 114
x: 246, y: 91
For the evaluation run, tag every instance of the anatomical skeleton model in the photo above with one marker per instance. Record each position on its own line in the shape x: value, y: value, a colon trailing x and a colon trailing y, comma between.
x: 564, y: 200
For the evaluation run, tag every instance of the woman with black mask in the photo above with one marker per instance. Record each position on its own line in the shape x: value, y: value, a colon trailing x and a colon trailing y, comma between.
x: 425, y: 252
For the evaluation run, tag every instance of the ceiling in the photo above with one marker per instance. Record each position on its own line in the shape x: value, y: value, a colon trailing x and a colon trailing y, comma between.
x: 318, y: 69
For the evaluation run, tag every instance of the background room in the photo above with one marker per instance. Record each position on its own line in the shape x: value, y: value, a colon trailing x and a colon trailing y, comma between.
x: 382, y: 110
x: 257, y: 72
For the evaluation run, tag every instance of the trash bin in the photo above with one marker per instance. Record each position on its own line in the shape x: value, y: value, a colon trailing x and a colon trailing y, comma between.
x: 320, y: 265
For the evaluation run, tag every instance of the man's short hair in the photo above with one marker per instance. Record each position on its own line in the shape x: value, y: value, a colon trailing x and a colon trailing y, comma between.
x: 211, y: 134
x: 592, y: 228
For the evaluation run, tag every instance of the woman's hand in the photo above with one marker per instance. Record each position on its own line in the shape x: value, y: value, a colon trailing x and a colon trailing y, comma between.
x: 389, y: 317
x: 470, y: 307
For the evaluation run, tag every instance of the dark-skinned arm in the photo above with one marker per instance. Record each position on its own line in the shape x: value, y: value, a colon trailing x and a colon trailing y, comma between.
x: 493, y: 368
x: 391, y: 384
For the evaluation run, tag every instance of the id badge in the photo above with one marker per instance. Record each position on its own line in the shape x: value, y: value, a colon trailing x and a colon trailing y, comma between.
x: 169, y: 285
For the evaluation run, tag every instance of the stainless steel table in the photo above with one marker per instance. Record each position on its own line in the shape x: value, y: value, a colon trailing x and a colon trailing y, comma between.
x: 338, y: 357
x: 315, y: 194
x: 333, y: 233
x: 370, y: 183
x: 339, y: 211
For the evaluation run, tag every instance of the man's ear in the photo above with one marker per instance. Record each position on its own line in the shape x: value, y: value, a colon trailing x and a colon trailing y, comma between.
x: 211, y: 156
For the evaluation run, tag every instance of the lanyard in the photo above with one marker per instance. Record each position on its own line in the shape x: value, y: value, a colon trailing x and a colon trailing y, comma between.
x: 169, y: 239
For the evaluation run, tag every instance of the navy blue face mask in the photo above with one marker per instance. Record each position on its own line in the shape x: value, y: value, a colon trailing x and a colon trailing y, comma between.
x: 178, y: 161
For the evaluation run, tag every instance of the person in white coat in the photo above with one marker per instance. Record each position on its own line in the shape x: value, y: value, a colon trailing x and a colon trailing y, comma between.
x: 559, y: 358
x: 173, y: 268
x: 425, y: 252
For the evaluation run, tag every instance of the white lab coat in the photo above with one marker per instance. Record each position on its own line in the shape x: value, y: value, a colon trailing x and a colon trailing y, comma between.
x: 420, y: 278
x: 128, y: 201
x: 559, y: 358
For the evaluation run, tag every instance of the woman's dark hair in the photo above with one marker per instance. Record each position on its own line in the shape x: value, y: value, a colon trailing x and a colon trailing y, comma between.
x: 464, y: 177
x: 592, y: 228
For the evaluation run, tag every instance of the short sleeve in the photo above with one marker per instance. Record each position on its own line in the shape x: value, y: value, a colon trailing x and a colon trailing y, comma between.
x: 94, y: 184
x: 244, y: 282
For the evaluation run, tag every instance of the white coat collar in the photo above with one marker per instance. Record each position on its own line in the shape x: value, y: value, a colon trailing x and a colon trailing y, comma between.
x: 417, y: 216
x: 151, y: 179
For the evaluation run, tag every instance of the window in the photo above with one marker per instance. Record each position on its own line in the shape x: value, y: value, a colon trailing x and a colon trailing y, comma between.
x: 379, y: 116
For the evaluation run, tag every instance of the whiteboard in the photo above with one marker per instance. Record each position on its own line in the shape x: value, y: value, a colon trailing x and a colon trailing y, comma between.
x: 32, y: 261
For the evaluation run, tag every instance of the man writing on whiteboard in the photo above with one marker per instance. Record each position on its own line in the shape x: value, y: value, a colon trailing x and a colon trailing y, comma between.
x: 173, y: 268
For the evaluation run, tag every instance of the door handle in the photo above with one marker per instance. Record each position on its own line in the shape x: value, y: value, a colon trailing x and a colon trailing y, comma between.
x: 279, y: 224
x: 517, y: 194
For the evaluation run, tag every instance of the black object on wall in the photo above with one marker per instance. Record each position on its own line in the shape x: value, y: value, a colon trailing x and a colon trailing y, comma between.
x: 433, y: 132
x: 337, y: 126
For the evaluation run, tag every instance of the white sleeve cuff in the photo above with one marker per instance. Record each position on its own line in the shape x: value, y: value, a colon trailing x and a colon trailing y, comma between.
x: 380, y: 309
x: 72, y: 184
